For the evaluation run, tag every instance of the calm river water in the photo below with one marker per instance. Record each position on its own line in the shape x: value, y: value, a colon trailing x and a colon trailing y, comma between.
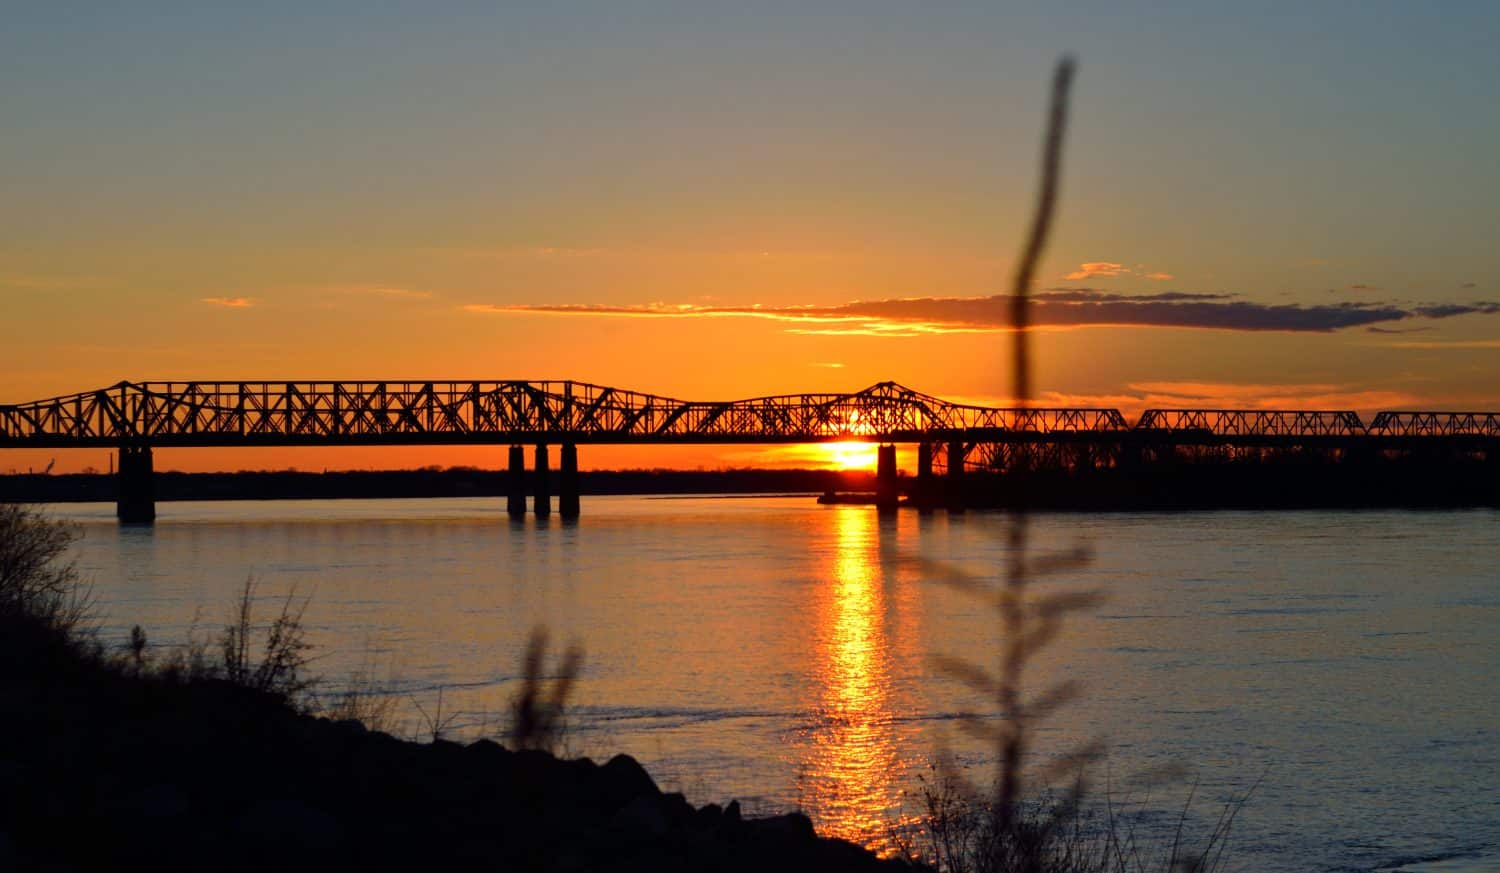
x: 781, y: 652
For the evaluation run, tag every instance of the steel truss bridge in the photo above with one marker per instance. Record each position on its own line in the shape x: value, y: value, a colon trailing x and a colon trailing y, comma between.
x: 953, y: 437
x: 167, y: 414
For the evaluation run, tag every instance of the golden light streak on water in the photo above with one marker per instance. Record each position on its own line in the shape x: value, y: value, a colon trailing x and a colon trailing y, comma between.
x: 849, y: 759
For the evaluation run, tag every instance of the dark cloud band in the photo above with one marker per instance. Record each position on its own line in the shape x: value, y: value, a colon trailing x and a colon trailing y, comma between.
x: 1057, y: 307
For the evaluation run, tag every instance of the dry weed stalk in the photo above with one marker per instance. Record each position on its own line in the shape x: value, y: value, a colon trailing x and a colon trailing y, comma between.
x: 537, y: 715
x: 1009, y: 838
x: 1032, y: 822
x: 285, y: 653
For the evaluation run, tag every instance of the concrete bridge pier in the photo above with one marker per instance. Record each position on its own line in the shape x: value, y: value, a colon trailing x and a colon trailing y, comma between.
x: 515, y: 484
x: 135, y: 502
x: 567, y: 485
x: 922, y: 496
x: 887, y: 495
x: 543, y: 492
x: 954, y: 492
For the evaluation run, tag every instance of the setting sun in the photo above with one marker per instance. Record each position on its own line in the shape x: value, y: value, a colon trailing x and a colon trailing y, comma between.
x: 849, y: 455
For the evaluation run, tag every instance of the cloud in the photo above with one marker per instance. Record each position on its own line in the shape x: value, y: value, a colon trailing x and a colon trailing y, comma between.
x: 830, y: 365
x: 1448, y: 310
x: 1139, y: 396
x: 1469, y: 285
x: 1111, y: 270
x: 1397, y: 330
x: 1363, y: 288
x: 1053, y: 308
x: 230, y: 302
x: 1098, y: 268
x: 1442, y: 344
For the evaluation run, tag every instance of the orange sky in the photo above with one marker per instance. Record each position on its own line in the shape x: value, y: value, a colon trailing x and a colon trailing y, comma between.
x: 718, y: 207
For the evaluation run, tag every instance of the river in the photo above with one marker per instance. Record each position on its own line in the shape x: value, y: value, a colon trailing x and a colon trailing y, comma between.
x: 1346, y: 665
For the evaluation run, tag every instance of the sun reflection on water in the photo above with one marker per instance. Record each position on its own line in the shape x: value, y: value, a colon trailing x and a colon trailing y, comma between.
x: 849, y: 760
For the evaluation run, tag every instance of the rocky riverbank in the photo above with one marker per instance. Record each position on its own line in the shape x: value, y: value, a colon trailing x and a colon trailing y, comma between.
x: 104, y: 770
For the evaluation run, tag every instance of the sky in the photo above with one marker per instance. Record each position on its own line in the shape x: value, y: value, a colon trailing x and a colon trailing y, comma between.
x: 1266, y: 205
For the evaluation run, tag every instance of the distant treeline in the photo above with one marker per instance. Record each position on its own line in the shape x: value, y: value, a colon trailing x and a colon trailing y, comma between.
x: 1283, y: 483
x: 426, y: 482
x: 1286, y: 482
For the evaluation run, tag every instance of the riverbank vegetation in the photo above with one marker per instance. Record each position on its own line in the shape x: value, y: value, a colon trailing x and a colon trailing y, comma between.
x: 1291, y: 480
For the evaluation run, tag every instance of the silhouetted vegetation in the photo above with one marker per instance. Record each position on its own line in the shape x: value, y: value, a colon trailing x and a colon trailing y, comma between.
x: 279, y: 671
x: 539, y: 712
x: 1032, y: 818
x: 37, y: 586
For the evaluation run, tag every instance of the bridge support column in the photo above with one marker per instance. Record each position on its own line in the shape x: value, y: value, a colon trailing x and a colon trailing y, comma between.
x: 515, y: 483
x: 543, y: 492
x: 954, y: 492
x: 567, y: 486
x: 135, y: 502
x: 886, y: 494
x: 923, y: 495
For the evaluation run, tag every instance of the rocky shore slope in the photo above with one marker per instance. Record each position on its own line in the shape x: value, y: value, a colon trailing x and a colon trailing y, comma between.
x: 103, y: 770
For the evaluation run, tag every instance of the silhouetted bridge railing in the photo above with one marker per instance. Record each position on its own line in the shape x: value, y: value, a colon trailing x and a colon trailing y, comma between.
x: 137, y: 416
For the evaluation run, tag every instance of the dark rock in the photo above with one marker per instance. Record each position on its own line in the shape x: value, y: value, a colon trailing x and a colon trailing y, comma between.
x: 791, y: 826
x: 623, y: 779
x: 647, y: 815
x: 160, y: 774
x: 290, y: 823
x: 710, y: 816
x: 161, y: 803
x: 487, y: 753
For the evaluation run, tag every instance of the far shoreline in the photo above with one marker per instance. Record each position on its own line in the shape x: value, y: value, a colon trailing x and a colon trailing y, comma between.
x: 1241, y: 485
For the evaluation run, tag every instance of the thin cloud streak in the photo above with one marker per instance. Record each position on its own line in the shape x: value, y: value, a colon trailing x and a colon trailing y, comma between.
x: 1111, y: 270
x: 229, y: 302
x: 1101, y: 269
x: 1134, y: 398
x: 1140, y: 396
x: 1441, y: 344
x: 1054, y: 308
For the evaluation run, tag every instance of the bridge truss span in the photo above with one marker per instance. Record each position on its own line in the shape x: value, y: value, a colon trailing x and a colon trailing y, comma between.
x: 437, y: 412
x: 1440, y: 424
x: 951, y: 438
x: 1253, y: 422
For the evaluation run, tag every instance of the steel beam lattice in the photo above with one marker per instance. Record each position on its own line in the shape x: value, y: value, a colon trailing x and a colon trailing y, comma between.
x: 329, y: 412
x: 413, y: 412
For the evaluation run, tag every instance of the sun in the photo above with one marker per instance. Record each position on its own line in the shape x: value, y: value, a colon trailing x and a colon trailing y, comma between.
x: 849, y: 455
